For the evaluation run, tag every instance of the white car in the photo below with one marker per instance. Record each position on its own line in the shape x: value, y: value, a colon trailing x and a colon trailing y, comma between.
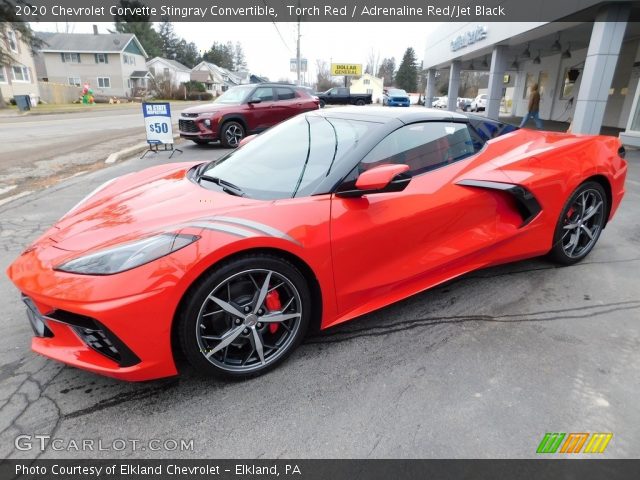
x: 479, y: 103
x: 441, y: 102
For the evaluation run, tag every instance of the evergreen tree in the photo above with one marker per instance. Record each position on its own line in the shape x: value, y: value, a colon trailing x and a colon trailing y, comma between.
x: 407, y: 74
x: 386, y: 70
x: 168, y: 39
x: 221, y: 54
x: 140, y: 26
x: 187, y: 53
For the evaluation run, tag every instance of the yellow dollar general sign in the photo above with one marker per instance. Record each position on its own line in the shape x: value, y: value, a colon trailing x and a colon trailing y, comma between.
x: 346, y: 69
x: 573, y: 442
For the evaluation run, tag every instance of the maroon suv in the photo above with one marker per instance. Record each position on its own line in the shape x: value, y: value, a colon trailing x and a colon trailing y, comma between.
x: 244, y: 110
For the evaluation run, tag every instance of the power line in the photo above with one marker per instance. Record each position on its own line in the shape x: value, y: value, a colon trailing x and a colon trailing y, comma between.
x: 277, y: 29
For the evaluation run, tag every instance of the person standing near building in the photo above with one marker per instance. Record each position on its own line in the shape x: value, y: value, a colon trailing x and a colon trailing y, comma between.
x: 534, y: 108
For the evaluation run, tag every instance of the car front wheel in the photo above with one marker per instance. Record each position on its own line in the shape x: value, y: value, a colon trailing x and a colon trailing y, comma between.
x: 231, y: 133
x: 245, y: 316
x: 580, y: 224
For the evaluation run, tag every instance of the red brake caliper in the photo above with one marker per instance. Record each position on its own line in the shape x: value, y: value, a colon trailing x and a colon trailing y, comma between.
x: 273, y: 304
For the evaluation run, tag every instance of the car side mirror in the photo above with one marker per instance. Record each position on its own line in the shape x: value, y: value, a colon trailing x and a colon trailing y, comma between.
x: 253, y: 101
x: 380, y: 179
x: 246, y: 140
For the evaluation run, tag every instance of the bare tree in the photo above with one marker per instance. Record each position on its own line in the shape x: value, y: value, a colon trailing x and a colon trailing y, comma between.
x: 373, y: 61
x: 323, y: 76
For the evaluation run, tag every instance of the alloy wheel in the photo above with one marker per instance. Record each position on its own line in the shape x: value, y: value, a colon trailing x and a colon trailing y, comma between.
x: 233, y: 134
x: 249, y: 320
x: 582, y: 223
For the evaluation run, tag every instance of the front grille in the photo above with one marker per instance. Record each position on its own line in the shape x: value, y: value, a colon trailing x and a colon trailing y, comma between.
x: 188, y: 126
x: 97, y: 336
x: 399, y: 99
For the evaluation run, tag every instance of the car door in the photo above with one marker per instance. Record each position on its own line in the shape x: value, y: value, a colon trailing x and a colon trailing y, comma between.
x: 262, y: 115
x: 288, y: 103
x: 389, y: 245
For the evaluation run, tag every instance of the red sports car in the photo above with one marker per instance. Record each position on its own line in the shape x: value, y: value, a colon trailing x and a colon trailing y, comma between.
x: 321, y: 219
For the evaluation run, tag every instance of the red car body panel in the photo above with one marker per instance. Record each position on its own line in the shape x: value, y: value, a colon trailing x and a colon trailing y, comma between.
x: 364, y: 253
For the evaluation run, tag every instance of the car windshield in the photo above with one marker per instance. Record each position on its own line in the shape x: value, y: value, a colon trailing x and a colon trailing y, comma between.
x: 291, y: 159
x: 235, y: 95
x: 398, y: 93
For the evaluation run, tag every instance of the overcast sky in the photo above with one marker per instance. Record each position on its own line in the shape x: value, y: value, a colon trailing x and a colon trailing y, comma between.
x: 267, y: 54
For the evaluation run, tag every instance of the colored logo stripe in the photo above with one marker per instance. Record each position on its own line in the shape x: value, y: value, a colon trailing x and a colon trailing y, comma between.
x: 550, y: 443
x: 598, y: 442
x: 574, y: 442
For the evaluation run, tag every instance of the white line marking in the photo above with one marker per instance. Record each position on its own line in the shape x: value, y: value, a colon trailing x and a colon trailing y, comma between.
x: 15, y: 197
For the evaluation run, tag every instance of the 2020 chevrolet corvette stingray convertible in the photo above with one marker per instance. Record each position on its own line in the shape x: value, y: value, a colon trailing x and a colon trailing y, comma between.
x: 325, y: 217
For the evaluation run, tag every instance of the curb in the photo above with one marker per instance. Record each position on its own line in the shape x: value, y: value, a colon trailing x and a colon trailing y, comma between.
x: 133, y: 150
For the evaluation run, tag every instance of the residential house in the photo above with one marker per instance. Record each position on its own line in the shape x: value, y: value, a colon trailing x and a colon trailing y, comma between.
x: 166, y: 70
x: 17, y: 77
x: 112, y: 64
x: 217, y: 80
x: 367, y: 83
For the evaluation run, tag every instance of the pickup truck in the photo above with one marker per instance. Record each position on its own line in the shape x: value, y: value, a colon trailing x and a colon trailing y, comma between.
x: 342, y: 96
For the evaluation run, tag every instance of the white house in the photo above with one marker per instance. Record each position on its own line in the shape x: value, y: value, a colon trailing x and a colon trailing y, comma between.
x: 217, y: 80
x: 367, y: 83
x: 164, y: 69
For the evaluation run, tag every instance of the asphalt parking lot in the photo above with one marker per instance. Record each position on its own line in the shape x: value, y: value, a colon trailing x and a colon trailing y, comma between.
x: 482, y: 366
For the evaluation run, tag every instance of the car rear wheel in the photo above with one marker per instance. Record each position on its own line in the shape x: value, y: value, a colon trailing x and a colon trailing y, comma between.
x: 360, y: 102
x: 245, y: 317
x: 580, y: 224
x: 321, y: 103
x: 231, y: 133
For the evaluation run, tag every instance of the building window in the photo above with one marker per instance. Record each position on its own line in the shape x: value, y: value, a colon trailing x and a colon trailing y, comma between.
x: 529, y: 82
x: 75, y: 81
x: 71, y: 57
x: 20, y: 73
x: 129, y: 83
x: 102, y: 58
x: 104, y: 82
x: 3, y: 75
x: 128, y: 59
x: 570, y: 78
x: 12, y: 41
x: 366, y: 81
x: 166, y: 73
x: 369, y: 91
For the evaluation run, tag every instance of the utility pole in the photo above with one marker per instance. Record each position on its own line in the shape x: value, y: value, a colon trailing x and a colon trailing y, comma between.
x: 298, y: 64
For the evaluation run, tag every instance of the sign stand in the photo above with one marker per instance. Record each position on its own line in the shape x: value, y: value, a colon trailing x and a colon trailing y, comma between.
x: 157, y: 123
x: 168, y: 147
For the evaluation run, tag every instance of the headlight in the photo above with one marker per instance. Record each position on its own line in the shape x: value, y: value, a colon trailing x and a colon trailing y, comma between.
x: 128, y: 255
x: 207, y: 122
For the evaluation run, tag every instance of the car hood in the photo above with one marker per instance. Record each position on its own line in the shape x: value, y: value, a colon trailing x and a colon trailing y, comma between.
x: 155, y: 200
x: 211, y: 108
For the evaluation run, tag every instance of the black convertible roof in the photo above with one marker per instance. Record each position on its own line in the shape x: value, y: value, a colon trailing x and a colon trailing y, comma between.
x: 388, y: 114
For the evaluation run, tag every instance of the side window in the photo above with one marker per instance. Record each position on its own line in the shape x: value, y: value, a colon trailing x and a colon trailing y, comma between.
x: 263, y: 93
x: 422, y: 146
x: 285, y: 93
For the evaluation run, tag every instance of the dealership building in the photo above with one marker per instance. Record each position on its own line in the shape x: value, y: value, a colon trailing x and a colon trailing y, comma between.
x: 587, y: 70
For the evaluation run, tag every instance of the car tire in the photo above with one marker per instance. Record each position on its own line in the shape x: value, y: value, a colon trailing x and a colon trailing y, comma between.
x: 360, y: 103
x: 199, y: 141
x: 321, y: 104
x: 203, y: 324
x: 231, y: 133
x: 581, y: 222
